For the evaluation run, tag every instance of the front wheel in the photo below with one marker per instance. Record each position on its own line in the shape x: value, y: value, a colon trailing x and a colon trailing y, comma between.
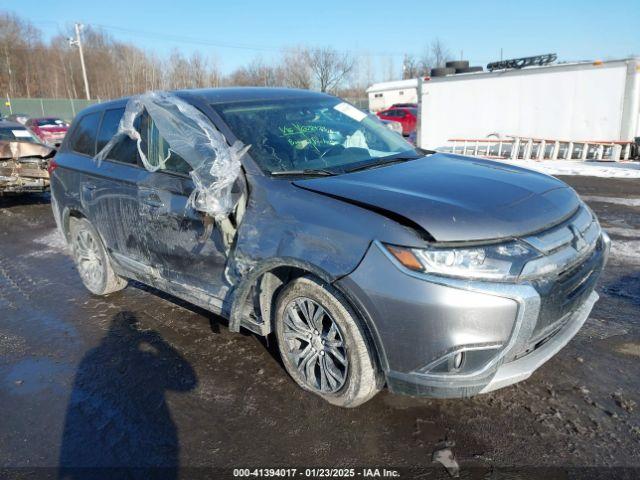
x: 323, y: 345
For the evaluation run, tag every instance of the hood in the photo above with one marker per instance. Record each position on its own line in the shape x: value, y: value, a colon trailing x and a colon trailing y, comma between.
x: 455, y: 198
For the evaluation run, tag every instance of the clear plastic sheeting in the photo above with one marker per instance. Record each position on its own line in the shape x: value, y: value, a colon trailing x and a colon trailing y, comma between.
x: 215, y: 165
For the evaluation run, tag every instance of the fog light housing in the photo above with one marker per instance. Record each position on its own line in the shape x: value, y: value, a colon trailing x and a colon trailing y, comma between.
x: 462, y: 360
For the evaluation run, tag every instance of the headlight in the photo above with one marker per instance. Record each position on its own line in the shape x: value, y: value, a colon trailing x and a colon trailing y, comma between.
x: 491, y: 262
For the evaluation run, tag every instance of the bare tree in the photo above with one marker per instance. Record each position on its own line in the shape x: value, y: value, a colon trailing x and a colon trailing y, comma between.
x: 329, y: 67
x: 410, y: 67
x: 435, y: 55
x: 256, y: 74
x: 30, y: 67
x: 296, y: 70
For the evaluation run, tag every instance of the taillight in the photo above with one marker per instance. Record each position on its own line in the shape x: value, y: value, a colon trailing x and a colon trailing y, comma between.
x: 52, y: 165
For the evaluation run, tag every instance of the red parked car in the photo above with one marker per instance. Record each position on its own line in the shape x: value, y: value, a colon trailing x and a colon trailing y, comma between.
x: 407, y: 116
x: 50, y: 130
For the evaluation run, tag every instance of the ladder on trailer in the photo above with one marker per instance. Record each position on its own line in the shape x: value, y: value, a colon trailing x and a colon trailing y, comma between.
x: 525, y: 148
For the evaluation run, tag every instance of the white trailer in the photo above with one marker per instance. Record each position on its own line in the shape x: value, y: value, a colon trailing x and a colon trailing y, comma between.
x: 588, y: 105
x: 384, y: 95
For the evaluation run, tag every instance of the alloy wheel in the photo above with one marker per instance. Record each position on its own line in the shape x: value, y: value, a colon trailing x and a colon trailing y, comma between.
x: 315, y: 345
x: 89, y: 259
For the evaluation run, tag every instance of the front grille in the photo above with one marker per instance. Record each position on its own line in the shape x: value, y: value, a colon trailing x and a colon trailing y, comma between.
x: 578, y: 245
x: 561, y: 296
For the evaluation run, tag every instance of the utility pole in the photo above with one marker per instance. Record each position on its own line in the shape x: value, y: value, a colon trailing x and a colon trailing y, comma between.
x: 77, y: 41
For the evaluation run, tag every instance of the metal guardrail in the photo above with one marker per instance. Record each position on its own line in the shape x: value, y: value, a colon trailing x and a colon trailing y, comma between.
x: 523, y: 148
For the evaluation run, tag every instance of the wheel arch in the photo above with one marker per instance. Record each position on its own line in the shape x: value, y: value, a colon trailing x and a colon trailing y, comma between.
x: 274, y: 274
x: 67, y: 214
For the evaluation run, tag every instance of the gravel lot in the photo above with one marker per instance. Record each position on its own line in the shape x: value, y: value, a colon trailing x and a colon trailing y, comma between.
x: 140, y: 378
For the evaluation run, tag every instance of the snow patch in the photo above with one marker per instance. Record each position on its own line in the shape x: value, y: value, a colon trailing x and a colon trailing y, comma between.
x: 580, y: 168
x: 623, y: 232
x: 53, y: 242
x: 630, y: 202
x: 626, y: 250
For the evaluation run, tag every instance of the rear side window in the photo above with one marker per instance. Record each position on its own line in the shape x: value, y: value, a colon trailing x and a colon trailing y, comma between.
x: 157, y: 149
x: 125, y: 149
x: 109, y: 126
x: 84, y: 135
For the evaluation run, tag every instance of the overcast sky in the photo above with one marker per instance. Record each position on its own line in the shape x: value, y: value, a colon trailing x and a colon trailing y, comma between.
x: 234, y: 32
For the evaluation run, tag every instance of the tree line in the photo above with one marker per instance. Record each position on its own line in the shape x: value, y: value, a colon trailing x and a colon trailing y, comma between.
x: 32, y: 67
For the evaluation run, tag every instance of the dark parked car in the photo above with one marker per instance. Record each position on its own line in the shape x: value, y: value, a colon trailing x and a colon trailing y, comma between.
x: 20, y: 118
x: 371, y: 261
x: 15, y: 131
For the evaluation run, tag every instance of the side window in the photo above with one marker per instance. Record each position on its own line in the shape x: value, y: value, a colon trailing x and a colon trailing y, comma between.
x: 109, y: 126
x: 390, y: 113
x: 400, y: 113
x: 158, y: 149
x: 84, y: 135
x: 126, y: 149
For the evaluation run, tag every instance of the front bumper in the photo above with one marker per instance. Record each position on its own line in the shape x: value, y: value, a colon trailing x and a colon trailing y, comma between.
x: 522, y: 368
x: 417, y: 320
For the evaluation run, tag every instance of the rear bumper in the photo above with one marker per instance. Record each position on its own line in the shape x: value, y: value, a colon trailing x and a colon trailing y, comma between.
x: 419, y: 321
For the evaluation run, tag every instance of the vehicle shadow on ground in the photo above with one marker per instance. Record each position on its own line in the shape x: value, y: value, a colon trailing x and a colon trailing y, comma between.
x: 117, y: 414
x: 7, y: 201
x: 215, y: 321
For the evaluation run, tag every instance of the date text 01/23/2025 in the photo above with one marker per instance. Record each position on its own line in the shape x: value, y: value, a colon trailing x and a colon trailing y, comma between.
x: 316, y: 472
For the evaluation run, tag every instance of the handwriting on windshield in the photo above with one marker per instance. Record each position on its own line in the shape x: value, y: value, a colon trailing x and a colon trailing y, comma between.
x: 300, y: 136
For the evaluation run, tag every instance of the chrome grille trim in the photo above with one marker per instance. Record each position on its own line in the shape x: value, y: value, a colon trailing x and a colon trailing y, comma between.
x: 564, y: 245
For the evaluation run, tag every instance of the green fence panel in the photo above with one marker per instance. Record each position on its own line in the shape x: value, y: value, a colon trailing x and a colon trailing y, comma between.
x: 63, y: 108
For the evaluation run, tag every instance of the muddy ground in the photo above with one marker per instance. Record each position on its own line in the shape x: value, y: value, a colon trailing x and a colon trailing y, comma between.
x: 140, y: 378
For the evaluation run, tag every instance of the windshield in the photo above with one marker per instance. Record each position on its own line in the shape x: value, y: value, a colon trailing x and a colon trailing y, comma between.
x: 311, y: 134
x: 16, y: 133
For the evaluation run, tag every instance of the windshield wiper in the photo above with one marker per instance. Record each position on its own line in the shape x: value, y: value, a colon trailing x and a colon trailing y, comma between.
x: 306, y: 172
x: 382, y: 163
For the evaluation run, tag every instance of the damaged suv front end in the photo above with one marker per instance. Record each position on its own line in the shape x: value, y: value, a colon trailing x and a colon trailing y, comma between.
x: 481, y: 328
x: 293, y: 213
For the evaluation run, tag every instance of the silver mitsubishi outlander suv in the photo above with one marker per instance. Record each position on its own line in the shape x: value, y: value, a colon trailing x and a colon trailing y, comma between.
x: 294, y: 214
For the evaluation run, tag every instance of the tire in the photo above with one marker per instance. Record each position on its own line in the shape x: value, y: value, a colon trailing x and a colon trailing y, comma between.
x: 457, y: 64
x: 92, y: 261
x: 469, y: 70
x: 442, y: 72
x: 342, y: 355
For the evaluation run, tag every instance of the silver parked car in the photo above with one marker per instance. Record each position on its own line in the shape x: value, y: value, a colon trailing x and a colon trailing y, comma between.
x: 293, y: 213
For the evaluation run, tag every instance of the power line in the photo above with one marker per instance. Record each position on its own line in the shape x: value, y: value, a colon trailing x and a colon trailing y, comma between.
x: 210, y: 43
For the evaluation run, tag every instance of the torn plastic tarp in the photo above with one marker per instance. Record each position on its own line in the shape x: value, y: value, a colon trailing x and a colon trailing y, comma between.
x: 215, y: 165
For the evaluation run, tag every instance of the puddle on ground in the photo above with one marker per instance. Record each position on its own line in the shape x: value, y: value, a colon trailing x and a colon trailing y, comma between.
x: 34, y: 375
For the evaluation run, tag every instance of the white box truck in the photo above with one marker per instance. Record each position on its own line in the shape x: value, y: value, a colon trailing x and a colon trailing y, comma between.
x: 567, y: 110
